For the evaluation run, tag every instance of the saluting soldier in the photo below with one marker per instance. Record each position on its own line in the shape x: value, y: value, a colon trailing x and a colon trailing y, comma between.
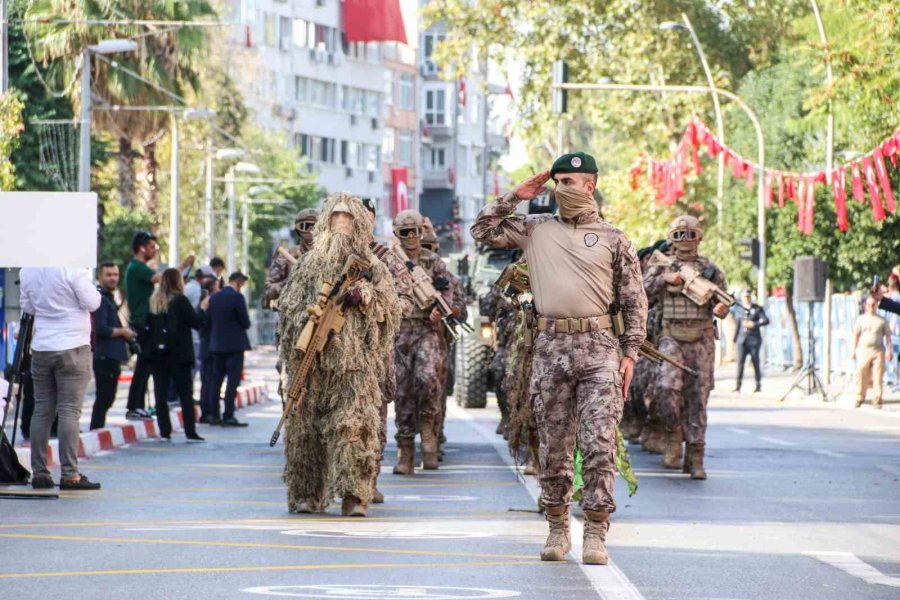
x: 689, y: 336
x: 584, y: 273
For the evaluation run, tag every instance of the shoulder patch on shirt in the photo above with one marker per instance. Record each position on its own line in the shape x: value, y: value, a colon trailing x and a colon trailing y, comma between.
x: 591, y: 239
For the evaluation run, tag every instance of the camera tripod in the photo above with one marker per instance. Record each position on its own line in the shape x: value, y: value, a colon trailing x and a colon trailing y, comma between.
x: 809, y: 372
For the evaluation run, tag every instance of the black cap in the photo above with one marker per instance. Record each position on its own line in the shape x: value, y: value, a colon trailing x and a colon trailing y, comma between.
x: 141, y: 238
x: 237, y: 275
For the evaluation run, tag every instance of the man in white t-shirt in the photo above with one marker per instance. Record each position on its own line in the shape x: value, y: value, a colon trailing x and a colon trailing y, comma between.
x: 61, y: 301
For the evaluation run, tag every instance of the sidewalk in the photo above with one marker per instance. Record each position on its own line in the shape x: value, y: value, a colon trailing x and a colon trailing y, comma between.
x: 260, y: 379
x: 776, y: 382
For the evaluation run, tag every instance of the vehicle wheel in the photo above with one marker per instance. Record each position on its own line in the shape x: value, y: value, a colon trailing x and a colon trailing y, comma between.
x: 473, y: 360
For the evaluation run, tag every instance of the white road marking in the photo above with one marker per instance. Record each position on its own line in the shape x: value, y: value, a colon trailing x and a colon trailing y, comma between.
x: 772, y: 440
x: 830, y: 453
x: 738, y: 430
x: 429, y: 498
x: 381, y: 592
x: 608, y: 581
x: 850, y: 564
x: 405, y: 534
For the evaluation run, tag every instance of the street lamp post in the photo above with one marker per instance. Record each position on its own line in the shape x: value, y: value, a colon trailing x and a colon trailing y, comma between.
x: 84, y: 156
x: 720, y: 123
x: 241, y: 167
x: 760, y: 143
x: 220, y: 154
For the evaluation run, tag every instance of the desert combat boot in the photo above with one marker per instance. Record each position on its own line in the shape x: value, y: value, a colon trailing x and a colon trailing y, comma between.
x: 429, y: 447
x: 596, y: 524
x: 558, y: 542
x: 697, y: 470
x: 672, y: 457
x: 406, y: 455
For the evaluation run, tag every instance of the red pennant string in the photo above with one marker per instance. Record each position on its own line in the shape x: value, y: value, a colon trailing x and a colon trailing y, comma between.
x: 737, y: 165
x: 780, y: 190
x: 810, y: 205
x: 770, y: 177
x: 856, y: 182
x: 791, y: 192
x: 838, y: 184
x: 877, y: 206
x: 884, y: 180
x: 748, y: 174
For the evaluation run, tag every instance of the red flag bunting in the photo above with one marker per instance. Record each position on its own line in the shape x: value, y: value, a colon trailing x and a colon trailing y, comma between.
x: 748, y: 174
x: 884, y: 180
x: 770, y: 177
x: 877, y: 206
x: 856, y: 182
x: 839, y: 186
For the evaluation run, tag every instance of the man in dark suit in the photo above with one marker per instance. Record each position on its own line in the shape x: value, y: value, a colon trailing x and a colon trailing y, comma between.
x: 229, y: 322
x: 750, y: 318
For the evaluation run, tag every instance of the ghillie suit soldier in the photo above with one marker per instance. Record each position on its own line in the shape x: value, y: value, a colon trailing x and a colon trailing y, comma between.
x: 332, y: 441
x: 418, y: 355
x: 281, y: 265
x: 690, y: 290
x: 592, y: 312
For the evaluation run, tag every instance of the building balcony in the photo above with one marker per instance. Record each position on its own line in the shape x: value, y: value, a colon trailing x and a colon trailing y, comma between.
x: 440, y: 132
x: 496, y: 140
x: 439, y: 179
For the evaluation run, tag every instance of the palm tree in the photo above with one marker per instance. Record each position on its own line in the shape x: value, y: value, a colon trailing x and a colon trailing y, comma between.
x: 166, y: 56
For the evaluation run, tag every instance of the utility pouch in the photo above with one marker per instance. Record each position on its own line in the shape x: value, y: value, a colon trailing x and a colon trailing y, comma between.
x: 616, y: 319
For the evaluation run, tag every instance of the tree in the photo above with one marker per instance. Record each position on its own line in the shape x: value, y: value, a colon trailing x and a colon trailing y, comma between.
x: 10, y: 128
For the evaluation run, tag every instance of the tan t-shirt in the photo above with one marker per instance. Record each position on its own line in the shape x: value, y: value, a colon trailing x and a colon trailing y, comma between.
x: 872, y: 330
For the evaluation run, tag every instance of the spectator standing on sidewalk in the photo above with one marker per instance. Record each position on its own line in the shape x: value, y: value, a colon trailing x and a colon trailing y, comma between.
x: 209, y: 397
x: 111, y: 349
x: 750, y: 317
x: 871, y: 335
x: 61, y: 301
x: 139, y: 282
x: 229, y: 322
x: 169, y: 350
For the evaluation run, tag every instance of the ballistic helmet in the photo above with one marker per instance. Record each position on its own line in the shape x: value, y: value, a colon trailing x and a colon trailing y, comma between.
x: 408, y: 219
x: 307, y: 214
x: 685, y: 223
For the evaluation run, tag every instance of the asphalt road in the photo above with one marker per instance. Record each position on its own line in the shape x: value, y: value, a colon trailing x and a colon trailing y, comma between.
x: 803, y: 502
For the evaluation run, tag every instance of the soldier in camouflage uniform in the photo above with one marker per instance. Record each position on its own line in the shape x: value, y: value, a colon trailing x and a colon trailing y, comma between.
x: 460, y: 311
x: 502, y: 313
x: 280, y: 268
x: 688, y: 335
x: 418, y: 356
x: 581, y: 268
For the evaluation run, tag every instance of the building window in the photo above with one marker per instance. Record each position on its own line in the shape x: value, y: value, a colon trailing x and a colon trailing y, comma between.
x: 406, y: 149
x: 463, y: 160
x: 284, y: 33
x: 317, y: 149
x: 407, y: 90
x: 431, y: 42
x: 435, y: 107
x: 300, y: 89
x: 373, y: 104
x: 477, y: 156
x: 269, y: 32
x: 438, y: 159
x: 371, y: 155
x: 387, y: 146
x: 475, y: 110
x: 389, y: 77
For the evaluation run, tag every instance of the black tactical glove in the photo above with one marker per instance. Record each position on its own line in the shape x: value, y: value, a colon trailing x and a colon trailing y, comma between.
x: 441, y: 284
x: 351, y: 298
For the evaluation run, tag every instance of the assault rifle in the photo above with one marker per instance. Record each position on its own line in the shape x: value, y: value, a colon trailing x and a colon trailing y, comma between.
x: 649, y: 351
x: 427, y: 297
x: 697, y: 286
x: 326, y: 318
x: 11, y: 471
x: 514, y: 280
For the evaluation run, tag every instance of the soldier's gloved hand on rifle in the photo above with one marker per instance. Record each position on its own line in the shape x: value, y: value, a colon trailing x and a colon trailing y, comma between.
x: 441, y: 284
x: 673, y: 278
x: 720, y: 310
x: 352, y: 297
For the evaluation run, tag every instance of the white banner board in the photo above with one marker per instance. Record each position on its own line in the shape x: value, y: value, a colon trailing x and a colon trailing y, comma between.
x: 48, y: 229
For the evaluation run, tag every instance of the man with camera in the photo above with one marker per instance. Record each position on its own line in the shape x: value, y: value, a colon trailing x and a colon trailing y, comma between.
x: 111, y: 349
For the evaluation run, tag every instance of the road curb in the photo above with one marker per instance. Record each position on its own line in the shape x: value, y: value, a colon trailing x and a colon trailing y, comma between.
x: 91, y: 443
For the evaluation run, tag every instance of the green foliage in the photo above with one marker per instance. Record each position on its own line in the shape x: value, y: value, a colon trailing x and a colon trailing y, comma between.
x: 10, y: 128
x: 119, y: 227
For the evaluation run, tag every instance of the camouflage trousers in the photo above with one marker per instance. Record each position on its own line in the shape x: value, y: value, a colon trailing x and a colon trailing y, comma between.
x: 576, y: 387
x: 417, y: 357
x: 444, y: 374
x: 681, y: 397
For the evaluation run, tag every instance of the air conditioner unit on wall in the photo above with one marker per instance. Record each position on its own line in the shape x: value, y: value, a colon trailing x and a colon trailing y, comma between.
x: 353, y: 119
x: 348, y: 172
x: 320, y: 2
x: 371, y: 176
x: 320, y: 55
x: 374, y: 123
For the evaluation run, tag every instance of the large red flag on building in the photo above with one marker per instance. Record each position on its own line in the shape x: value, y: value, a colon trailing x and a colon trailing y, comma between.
x: 374, y: 21
x: 399, y: 190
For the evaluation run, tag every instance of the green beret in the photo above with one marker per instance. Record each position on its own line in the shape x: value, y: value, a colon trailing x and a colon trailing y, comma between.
x: 576, y: 162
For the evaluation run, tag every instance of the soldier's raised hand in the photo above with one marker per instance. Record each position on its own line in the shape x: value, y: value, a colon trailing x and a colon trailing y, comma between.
x: 533, y: 186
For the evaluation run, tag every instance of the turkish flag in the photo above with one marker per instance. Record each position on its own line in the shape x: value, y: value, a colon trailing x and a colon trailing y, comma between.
x: 374, y: 21
x: 399, y: 189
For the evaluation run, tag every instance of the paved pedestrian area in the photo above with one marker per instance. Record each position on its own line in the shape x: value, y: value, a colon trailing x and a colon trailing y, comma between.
x: 802, y: 503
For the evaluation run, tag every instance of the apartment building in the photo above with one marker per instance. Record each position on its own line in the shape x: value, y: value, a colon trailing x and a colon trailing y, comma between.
x: 345, y: 105
x: 461, y: 142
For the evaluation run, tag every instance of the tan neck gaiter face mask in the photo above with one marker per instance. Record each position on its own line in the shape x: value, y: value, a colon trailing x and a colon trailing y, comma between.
x: 574, y: 202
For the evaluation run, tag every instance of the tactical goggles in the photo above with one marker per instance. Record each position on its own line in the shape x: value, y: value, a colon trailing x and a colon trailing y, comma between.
x: 685, y: 234
x: 409, y: 232
x: 305, y: 226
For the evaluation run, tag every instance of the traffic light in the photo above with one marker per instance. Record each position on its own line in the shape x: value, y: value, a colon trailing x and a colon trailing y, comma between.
x: 752, y: 252
x: 560, y: 96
